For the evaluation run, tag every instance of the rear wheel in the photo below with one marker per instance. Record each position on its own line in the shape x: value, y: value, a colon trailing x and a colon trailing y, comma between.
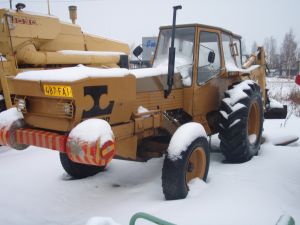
x: 77, y: 170
x: 176, y: 174
x: 241, y: 123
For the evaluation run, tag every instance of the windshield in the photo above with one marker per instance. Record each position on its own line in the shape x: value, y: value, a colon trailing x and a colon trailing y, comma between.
x: 184, y: 44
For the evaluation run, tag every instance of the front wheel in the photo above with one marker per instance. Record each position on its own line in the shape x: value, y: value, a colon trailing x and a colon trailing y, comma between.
x: 177, y: 173
x: 78, y: 170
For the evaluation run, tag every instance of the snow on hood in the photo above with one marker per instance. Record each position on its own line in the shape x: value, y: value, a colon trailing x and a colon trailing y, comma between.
x: 9, y: 116
x: 94, y: 53
x: 70, y: 74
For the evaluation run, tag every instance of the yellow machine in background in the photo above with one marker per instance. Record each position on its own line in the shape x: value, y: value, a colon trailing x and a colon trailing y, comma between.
x: 32, y: 41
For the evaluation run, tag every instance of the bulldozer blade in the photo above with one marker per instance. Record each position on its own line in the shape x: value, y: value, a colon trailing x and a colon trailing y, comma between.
x: 276, y: 113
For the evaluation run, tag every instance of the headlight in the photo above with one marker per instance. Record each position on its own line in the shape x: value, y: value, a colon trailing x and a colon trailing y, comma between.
x: 21, y: 104
x: 68, y: 109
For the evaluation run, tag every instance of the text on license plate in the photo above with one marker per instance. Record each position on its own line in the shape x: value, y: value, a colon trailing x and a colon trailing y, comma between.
x: 58, y: 90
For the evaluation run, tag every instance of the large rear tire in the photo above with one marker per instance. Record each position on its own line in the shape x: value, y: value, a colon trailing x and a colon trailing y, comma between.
x: 77, y: 170
x: 193, y: 163
x: 241, y: 123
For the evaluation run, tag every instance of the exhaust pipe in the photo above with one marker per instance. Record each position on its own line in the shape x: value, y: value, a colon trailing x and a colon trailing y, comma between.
x: 73, y: 13
x: 172, y: 51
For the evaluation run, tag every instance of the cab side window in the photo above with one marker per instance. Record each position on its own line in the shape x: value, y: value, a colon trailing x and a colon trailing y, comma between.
x: 209, y: 64
x: 232, y: 52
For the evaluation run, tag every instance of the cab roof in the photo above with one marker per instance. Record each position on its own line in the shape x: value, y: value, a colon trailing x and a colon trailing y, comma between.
x: 203, y: 26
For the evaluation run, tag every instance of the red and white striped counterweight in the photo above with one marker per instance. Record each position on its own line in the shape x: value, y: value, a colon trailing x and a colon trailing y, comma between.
x: 80, y: 151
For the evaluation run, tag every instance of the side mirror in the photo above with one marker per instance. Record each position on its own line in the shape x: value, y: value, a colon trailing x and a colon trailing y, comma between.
x: 211, y: 57
x: 20, y: 6
x: 137, y: 51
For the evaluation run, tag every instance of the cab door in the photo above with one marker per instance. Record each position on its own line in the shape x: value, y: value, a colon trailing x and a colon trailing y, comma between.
x: 208, y: 81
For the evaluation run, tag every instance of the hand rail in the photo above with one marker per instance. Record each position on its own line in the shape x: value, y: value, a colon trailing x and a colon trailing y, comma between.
x: 148, y: 217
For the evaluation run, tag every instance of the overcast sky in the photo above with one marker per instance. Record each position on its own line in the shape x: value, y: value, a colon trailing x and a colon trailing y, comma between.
x: 129, y: 20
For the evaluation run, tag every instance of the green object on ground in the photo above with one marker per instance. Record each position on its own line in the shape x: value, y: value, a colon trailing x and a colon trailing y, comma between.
x: 148, y: 217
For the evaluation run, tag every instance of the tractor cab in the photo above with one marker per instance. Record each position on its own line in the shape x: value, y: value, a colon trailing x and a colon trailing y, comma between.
x: 204, y: 56
x: 201, y: 51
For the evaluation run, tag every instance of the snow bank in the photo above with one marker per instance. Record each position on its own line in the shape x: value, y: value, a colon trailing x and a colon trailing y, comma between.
x: 101, y: 221
x: 91, y: 130
x: 230, y: 67
x: 94, y: 53
x: 183, y: 137
x: 275, y: 104
x: 284, y: 138
x: 282, y: 89
x: 9, y: 116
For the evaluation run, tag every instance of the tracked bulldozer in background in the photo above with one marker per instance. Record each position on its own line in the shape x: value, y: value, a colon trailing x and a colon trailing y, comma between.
x: 198, y: 86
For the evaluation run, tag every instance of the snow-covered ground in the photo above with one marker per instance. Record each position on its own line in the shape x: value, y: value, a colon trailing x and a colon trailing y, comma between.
x: 281, y: 89
x: 36, y: 190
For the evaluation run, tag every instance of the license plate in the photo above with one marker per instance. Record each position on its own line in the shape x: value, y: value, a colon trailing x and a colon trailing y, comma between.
x: 58, y: 91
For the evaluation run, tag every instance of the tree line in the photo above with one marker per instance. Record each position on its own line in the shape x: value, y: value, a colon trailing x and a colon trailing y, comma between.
x: 285, y: 59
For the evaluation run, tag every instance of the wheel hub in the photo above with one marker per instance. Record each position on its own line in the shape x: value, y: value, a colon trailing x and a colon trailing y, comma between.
x: 196, y: 164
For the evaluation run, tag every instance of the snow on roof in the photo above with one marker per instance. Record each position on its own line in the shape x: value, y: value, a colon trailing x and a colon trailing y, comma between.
x: 79, y: 72
x: 94, y: 53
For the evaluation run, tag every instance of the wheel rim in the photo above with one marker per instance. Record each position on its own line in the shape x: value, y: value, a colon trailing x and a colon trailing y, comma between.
x: 253, y: 123
x: 196, y: 165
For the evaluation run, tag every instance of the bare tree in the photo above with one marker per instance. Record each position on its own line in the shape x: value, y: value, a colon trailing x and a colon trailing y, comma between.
x: 270, y: 49
x: 288, y: 51
x: 254, y: 47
